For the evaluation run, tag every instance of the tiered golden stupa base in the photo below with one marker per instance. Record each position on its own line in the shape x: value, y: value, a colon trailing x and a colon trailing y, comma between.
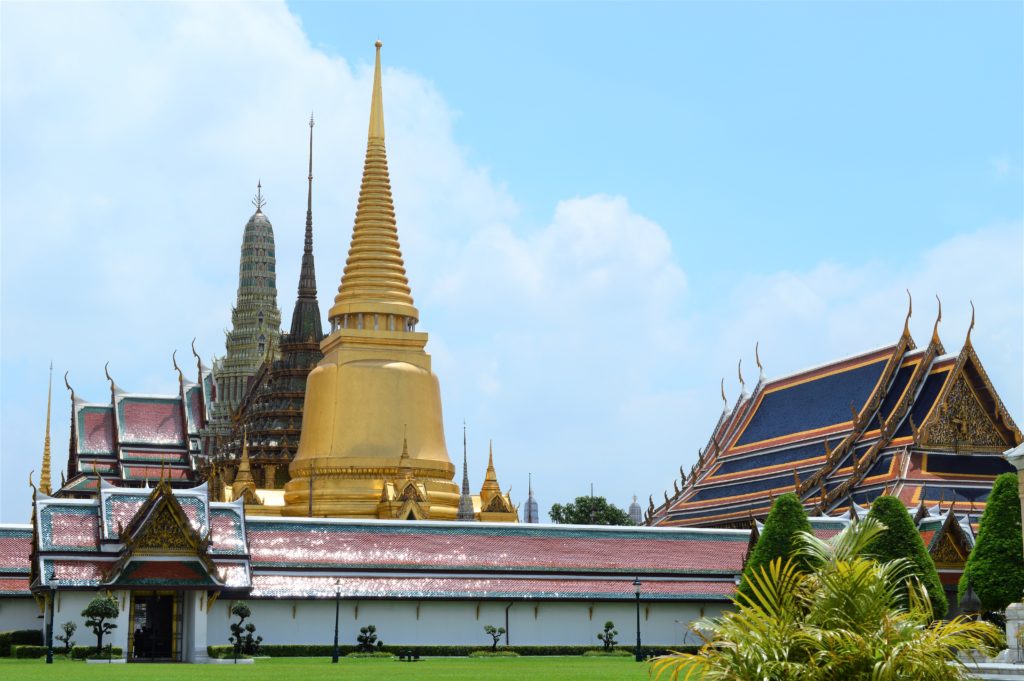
x: 356, y: 491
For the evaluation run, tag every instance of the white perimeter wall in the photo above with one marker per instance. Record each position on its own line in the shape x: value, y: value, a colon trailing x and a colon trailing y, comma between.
x: 437, y: 623
x: 19, y: 613
x: 458, y: 622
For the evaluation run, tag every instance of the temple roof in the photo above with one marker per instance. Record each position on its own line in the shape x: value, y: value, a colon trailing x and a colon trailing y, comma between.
x: 848, y: 431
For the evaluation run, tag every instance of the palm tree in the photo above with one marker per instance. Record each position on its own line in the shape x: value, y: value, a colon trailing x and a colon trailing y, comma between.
x: 848, y: 618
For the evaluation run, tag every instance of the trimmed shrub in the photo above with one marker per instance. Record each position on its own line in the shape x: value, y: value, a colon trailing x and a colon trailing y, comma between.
x: 995, y: 567
x: 494, y: 653
x: 321, y: 650
x: 375, y: 653
x: 28, y: 652
x: 19, y: 637
x: 902, y: 540
x: 617, y: 652
x: 83, y: 652
x: 779, y: 537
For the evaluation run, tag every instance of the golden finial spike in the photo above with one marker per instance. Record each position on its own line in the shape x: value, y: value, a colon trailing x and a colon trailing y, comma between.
x: 377, y: 104
x: 935, y: 329
x: 44, y: 476
x: 971, y: 327
x: 725, y: 402
x: 739, y: 372
x: 910, y: 311
x: 174, y: 361
x: 30, y: 483
x: 757, y: 358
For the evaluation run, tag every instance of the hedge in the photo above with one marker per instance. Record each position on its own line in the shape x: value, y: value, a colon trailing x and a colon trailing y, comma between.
x: 321, y: 650
x: 995, y: 568
x: 779, y: 538
x: 21, y: 637
x: 83, y: 652
x: 28, y: 652
x: 901, y: 539
x: 502, y: 652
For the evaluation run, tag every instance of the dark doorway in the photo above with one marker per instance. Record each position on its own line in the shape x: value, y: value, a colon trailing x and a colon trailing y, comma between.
x: 154, y: 627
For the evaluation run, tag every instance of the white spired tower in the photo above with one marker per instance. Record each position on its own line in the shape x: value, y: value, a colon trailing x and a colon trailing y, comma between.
x: 531, y: 515
x: 636, y: 513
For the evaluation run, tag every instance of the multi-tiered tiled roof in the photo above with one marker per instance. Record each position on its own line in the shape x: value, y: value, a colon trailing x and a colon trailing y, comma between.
x: 134, y: 437
x: 914, y: 422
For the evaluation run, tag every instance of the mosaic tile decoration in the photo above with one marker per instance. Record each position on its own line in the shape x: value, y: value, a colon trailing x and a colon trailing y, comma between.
x: 95, y: 429
x: 14, y: 586
x: 59, y: 572
x: 150, y: 420
x: 68, y: 528
x: 122, y: 507
x: 234, y: 575
x: 15, y: 549
x: 226, y: 532
x: 164, y: 573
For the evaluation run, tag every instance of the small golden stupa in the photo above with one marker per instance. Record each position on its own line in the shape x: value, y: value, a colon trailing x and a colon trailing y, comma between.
x: 374, y: 387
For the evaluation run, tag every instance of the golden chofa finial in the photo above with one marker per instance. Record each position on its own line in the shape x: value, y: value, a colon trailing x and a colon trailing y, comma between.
x: 377, y: 103
x: 174, y: 361
x: 971, y: 327
x: 935, y: 329
x: 757, y: 358
x: 910, y: 311
x: 739, y: 372
x: 725, y: 402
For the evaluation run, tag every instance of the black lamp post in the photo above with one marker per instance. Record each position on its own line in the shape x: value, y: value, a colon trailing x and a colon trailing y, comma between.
x: 49, y: 621
x: 337, y: 609
x: 636, y: 590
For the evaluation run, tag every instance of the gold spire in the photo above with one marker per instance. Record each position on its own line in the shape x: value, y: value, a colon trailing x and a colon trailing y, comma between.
x: 377, y: 101
x: 404, y: 463
x: 374, y: 280
x: 490, y: 486
x: 44, y: 476
x: 243, y: 478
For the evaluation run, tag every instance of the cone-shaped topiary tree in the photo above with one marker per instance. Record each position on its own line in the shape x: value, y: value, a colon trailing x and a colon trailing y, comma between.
x: 902, y: 540
x: 995, y: 567
x: 779, y: 538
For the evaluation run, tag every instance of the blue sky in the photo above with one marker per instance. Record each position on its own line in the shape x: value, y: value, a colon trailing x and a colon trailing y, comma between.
x: 602, y: 206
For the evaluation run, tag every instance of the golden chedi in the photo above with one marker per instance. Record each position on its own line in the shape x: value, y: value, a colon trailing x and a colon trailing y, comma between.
x: 374, y: 387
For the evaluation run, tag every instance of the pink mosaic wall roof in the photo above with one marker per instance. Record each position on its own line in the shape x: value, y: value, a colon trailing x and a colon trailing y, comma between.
x: 459, y: 548
x: 96, y: 429
x: 150, y: 420
x: 15, y: 551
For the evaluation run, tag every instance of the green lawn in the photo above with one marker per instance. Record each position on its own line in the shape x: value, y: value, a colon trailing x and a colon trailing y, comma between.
x: 315, y: 669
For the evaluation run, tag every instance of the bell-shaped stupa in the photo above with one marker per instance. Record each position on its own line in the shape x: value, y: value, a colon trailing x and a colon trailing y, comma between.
x: 374, y: 386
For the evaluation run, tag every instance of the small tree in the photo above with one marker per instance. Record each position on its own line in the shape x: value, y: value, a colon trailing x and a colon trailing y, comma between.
x: 96, y: 614
x: 495, y: 633
x: 995, y: 567
x: 69, y: 629
x: 901, y: 539
x: 243, y: 635
x: 367, y: 639
x: 607, y: 637
x: 589, y: 511
x: 779, y: 538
